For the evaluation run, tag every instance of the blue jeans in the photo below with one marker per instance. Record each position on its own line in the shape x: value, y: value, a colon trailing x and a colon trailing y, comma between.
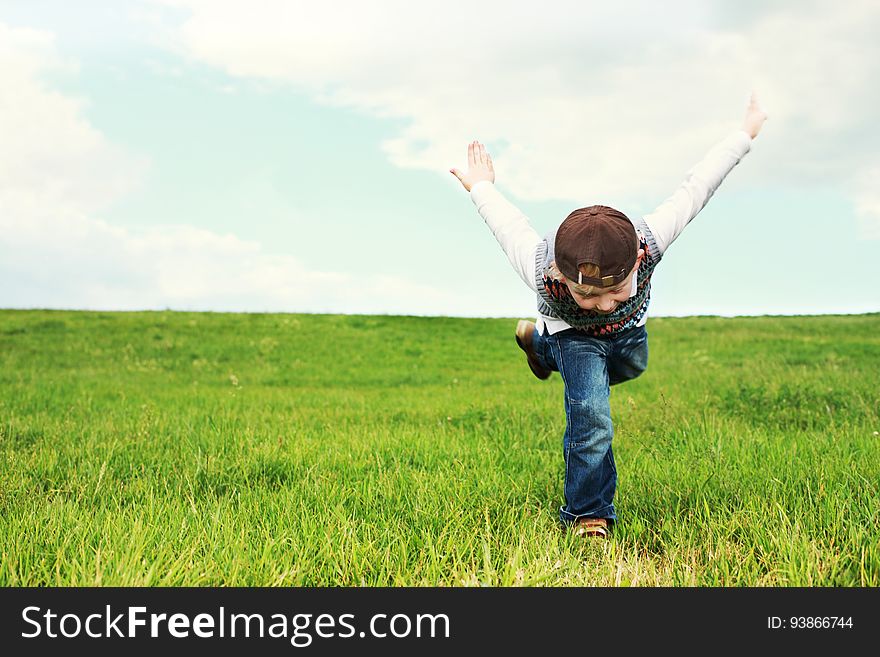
x: 588, y: 367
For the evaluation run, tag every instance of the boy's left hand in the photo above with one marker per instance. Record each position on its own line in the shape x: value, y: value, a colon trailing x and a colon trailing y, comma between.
x: 479, y: 167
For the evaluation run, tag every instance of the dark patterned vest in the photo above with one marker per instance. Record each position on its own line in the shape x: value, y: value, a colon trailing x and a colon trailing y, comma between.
x: 555, y: 300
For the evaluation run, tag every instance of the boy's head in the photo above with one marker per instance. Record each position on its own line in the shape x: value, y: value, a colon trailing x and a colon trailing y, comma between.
x: 597, y: 251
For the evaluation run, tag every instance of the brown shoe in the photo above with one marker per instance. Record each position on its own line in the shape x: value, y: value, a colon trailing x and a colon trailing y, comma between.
x: 524, y: 332
x: 591, y: 527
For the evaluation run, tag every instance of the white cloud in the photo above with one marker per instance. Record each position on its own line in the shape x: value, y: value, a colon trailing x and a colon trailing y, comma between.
x: 587, y: 101
x: 50, y: 153
x: 57, y: 172
x: 77, y: 261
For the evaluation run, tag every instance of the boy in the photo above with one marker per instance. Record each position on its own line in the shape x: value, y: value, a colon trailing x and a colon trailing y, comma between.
x: 592, y: 276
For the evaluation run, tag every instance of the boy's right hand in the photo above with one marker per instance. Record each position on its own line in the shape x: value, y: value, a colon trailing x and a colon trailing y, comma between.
x: 755, y: 117
x: 479, y: 167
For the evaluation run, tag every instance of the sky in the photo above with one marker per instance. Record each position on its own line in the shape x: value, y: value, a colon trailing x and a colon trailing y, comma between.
x: 287, y: 156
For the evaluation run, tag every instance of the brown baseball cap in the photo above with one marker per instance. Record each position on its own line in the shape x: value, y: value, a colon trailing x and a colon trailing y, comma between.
x: 597, y: 235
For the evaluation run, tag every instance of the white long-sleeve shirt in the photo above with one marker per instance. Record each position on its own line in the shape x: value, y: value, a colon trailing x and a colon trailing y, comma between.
x: 520, y: 241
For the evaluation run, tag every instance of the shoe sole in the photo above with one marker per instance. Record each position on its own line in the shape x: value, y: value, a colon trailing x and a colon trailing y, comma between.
x: 591, y: 529
x: 594, y: 532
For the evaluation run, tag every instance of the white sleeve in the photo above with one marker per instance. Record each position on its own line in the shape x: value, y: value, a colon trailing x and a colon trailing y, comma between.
x: 670, y: 218
x: 511, y: 228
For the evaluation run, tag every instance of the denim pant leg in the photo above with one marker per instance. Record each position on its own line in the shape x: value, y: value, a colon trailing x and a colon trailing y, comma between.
x: 590, y: 473
x: 543, y: 350
x: 629, y: 355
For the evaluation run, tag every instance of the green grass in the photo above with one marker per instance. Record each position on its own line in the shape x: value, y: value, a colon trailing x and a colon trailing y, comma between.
x: 219, y: 449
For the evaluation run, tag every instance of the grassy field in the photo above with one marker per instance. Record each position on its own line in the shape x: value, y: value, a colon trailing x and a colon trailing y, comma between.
x: 194, y: 448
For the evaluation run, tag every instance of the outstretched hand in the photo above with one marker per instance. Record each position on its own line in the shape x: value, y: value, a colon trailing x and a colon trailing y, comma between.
x: 479, y: 167
x: 755, y: 117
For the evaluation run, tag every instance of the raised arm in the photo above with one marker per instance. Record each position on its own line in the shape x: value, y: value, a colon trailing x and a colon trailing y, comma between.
x: 670, y: 218
x: 509, y: 225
